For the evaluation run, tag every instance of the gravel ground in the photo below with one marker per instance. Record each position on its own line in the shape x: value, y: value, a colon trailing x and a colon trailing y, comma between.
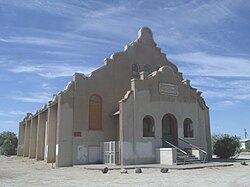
x: 19, y: 171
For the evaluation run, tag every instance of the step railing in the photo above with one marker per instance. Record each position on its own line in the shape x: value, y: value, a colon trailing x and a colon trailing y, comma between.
x: 178, y: 149
x: 194, y: 146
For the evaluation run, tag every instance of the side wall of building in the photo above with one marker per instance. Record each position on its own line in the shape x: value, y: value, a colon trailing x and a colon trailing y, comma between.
x: 64, y: 136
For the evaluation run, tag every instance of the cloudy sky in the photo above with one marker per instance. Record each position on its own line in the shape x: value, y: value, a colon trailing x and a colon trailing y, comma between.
x: 43, y: 42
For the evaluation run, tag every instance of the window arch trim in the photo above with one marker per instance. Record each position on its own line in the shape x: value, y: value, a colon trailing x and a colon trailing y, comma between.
x: 148, y: 129
x: 99, y: 110
x: 147, y: 68
x: 188, y: 128
x: 135, y: 70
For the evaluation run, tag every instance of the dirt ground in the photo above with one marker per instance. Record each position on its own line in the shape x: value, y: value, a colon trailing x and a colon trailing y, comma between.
x: 18, y: 171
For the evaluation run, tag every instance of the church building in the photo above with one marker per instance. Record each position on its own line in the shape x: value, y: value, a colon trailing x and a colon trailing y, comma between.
x: 135, y: 109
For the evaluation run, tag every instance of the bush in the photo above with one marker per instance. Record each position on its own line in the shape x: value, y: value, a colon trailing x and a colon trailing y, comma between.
x: 225, y: 146
x: 214, y: 138
x: 8, y: 143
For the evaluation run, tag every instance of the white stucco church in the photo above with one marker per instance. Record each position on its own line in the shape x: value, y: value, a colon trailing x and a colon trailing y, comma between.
x: 136, y: 109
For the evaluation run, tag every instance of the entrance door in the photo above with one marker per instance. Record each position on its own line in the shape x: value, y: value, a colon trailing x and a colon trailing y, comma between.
x: 169, y: 130
x: 94, y: 154
x: 111, y: 152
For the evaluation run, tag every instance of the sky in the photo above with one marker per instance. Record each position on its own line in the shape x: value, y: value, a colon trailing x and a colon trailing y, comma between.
x: 43, y: 42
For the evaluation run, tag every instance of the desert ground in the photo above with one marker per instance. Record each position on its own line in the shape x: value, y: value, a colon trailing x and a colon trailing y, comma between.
x: 19, y: 171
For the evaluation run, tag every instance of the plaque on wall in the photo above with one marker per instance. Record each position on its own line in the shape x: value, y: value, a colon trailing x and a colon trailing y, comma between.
x: 168, y: 89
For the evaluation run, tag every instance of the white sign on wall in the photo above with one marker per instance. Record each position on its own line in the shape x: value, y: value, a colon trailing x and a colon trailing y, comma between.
x: 57, y: 149
x: 169, y: 89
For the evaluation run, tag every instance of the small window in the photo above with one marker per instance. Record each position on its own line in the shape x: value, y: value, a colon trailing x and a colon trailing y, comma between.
x: 135, y: 71
x: 148, y: 127
x: 147, y: 68
x: 95, y: 112
x: 188, y: 128
x: 77, y: 133
x: 158, y: 67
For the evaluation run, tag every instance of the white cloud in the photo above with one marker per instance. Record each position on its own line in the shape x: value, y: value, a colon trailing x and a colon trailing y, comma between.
x: 64, y: 54
x: 223, y: 88
x: 204, y: 64
x: 224, y: 81
x: 25, y: 69
x: 224, y: 104
x: 52, y: 70
x: 11, y: 113
x: 98, y: 17
x: 36, y: 41
x: 59, y: 40
x: 42, y: 97
x: 7, y: 123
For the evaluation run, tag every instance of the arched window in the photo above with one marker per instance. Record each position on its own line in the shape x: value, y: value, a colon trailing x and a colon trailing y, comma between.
x: 148, y: 126
x: 169, y: 130
x: 147, y: 68
x: 188, y: 128
x: 95, y: 112
x: 135, y: 70
x: 157, y: 67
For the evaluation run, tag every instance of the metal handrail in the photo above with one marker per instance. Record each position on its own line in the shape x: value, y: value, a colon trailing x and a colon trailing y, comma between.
x: 179, y: 149
x: 205, y: 158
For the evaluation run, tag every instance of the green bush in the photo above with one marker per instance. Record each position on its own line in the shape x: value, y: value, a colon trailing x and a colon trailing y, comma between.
x: 225, y: 146
x: 8, y: 143
x: 214, y: 138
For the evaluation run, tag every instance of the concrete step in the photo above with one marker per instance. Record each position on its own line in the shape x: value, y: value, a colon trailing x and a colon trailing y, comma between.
x: 188, y: 157
x: 190, y: 162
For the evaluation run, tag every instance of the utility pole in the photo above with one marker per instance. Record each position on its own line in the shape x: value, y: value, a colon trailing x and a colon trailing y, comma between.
x: 245, y: 133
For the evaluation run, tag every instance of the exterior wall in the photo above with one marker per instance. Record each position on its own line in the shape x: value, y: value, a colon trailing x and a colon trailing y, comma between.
x: 26, y: 138
x: 87, y: 137
x: 63, y: 133
x: 147, y: 100
x: 51, y: 133
x: 64, y: 141
x: 42, y: 120
x: 110, y: 82
x: 21, y: 134
x: 33, y: 137
x: 243, y: 143
x: 127, y: 139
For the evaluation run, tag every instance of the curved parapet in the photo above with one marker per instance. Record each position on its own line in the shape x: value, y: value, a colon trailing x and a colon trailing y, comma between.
x: 143, y: 44
x: 201, y: 101
x: 145, y: 36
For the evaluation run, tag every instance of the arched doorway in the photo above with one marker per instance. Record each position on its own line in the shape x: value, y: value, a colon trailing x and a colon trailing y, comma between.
x: 169, y: 130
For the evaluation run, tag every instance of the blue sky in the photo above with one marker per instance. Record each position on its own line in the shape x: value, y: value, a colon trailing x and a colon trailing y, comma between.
x: 43, y: 42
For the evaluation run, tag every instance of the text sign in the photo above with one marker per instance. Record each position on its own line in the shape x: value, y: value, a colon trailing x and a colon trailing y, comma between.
x: 168, y: 89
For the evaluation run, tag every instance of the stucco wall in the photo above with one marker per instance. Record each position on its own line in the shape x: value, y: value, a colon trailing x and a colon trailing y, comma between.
x: 64, y: 141
x: 68, y: 137
x: 111, y: 83
x: 146, y: 99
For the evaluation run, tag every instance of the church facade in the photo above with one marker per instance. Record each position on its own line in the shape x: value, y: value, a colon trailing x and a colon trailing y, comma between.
x: 126, y: 110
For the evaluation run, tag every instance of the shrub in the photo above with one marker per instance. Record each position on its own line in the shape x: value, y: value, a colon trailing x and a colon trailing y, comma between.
x: 8, y: 143
x: 214, y: 138
x: 225, y: 146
